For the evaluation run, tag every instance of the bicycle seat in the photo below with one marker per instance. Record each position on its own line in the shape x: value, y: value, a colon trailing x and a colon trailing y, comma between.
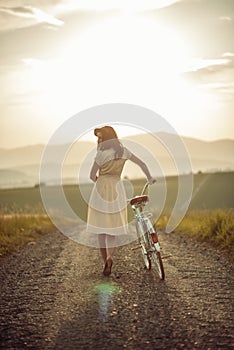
x: 139, y: 200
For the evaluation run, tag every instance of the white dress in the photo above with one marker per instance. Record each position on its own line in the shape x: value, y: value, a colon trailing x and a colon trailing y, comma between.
x: 107, y: 212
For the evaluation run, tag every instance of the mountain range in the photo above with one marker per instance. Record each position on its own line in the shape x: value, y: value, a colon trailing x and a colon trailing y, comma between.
x: 165, y: 154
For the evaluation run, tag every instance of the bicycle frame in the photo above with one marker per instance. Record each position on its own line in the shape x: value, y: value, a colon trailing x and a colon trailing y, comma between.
x: 147, y: 237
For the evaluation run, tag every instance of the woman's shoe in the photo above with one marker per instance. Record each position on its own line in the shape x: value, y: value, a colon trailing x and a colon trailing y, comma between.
x: 107, y: 267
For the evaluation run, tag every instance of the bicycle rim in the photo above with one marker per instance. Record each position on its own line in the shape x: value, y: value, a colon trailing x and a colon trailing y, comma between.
x: 157, y: 259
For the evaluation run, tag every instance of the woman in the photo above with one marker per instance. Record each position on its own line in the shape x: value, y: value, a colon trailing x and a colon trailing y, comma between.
x: 107, y: 212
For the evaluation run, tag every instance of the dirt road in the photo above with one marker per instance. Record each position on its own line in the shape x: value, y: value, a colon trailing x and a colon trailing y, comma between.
x: 53, y: 296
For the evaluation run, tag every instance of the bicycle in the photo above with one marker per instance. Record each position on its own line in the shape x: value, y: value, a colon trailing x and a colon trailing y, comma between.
x: 147, y: 237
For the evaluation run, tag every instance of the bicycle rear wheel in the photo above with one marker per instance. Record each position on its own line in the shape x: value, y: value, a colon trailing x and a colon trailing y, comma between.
x: 156, y: 258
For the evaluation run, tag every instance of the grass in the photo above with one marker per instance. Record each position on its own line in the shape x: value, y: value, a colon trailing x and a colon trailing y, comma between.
x: 21, y: 201
x: 209, y: 219
x: 213, y: 227
x: 17, y: 230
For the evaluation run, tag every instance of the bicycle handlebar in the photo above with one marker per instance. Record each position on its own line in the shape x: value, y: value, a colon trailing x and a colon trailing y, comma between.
x: 143, y: 191
x: 145, y: 187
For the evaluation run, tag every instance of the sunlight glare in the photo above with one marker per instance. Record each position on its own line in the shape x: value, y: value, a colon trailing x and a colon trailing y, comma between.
x: 125, y: 58
x: 108, y: 5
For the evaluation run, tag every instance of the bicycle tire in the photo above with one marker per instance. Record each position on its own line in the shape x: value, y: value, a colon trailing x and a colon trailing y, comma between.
x: 155, y: 254
x: 157, y: 259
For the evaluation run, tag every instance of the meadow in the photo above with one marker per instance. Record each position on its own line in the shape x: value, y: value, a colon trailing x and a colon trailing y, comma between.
x: 210, y: 217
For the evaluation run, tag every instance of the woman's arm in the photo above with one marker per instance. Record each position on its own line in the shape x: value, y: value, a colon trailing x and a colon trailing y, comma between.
x: 93, y: 172
x: 143, y: 167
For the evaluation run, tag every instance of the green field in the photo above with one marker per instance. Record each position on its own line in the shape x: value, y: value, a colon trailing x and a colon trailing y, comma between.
x: 211, y: 191
x: 210, y: 217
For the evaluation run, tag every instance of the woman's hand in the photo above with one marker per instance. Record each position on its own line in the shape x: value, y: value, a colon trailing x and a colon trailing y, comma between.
x: 151, y: 180
x: 93, y: 172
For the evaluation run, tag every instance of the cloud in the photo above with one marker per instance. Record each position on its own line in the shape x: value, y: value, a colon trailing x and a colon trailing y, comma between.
x: 226, y: 18
x: 21, y: 17
x: 225, y: 87
x: 228, y: 54
x: 209, y: 65
x: 32, y: 61
x: 109, y: 5
x: 215, y: 73
x: 19, y: 14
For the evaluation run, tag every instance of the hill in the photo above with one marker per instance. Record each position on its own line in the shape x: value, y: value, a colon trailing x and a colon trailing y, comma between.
x: 20, y: 166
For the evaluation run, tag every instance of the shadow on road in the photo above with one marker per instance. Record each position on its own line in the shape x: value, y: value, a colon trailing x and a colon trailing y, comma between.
x: 131, y: 311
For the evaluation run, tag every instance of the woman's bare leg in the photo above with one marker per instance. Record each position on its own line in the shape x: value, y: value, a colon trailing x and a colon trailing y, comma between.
x: 102, y: 245
x: 110, y: 241
x: 110, y: 246
x: 106, y: 244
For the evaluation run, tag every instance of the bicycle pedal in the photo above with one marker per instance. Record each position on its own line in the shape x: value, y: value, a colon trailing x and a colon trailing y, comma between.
x: 136, y: 247
x: 166, y: 256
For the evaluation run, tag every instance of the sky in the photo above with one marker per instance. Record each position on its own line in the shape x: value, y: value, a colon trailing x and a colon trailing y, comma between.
x: 59, y: 57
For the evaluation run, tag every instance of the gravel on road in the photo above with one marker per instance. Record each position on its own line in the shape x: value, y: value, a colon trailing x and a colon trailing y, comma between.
x: 53, y: 296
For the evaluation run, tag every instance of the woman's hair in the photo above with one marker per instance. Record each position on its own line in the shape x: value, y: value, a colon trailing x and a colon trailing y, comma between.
x: 107, y: 138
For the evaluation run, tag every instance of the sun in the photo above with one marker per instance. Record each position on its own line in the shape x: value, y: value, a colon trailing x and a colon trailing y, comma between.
x: 126, y: 58
x: 124, y: 55
x: 129, y: 43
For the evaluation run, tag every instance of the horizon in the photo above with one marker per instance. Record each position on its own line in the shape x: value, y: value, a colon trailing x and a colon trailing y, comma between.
x: 82, y: 54
x: 89, y: 139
